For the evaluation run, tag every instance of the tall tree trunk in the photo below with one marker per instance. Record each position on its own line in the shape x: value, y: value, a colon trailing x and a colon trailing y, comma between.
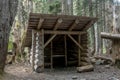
x: 7, y: 13
x: 96, y: 30
x: 116, y: 30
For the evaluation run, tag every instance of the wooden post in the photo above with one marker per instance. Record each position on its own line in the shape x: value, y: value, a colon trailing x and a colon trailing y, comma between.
x: 65, y: 42
x: 31, y: 55
x: 51, y: 57
x: 79, y: 56
x: 28, y: 55
x: 39, y: 56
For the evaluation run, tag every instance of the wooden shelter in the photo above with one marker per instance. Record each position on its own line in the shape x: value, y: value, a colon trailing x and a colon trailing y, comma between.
x: 57, y: 40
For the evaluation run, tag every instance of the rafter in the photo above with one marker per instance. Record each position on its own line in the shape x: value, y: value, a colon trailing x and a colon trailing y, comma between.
x: 88, y: 25
x: 40, y: 23
x: 74, y: 24
x: 59, y: 21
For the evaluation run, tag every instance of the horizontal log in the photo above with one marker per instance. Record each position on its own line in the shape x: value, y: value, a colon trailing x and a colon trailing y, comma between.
x: 85, y: 51
x: 84, y: 39
x: 85, y: 47
x: 85, y: 42
x: 85, y: 68
x: 84, y: 55
x: 86, y: 59
x: 64, y: 32
x: 47, y: 64
x: 110, y: 35
x: 104, y: 58
x: 82, y: 63
x: 72, y: 62
x: 60, y: 32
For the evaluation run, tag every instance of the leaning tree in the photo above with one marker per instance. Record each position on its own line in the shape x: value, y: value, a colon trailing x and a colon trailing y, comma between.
x: 7, y: 14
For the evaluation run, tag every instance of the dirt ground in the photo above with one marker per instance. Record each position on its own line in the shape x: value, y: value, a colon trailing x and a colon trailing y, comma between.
x: 24, y: 72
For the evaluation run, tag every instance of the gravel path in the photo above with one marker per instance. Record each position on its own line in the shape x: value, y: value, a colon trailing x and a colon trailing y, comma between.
x: 24, y: 72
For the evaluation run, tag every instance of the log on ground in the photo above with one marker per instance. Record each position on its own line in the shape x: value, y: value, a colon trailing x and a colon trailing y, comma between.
x: 86, y: 68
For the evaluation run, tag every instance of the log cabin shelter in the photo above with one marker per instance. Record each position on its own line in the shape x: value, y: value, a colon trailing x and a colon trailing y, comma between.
x: 57, y: 40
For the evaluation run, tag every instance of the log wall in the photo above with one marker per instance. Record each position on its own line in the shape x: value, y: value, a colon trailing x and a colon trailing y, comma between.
x: 75, y: 56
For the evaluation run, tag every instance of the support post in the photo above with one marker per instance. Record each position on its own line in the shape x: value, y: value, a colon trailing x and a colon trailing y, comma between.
x: 51, y: 57
x: 79, y: 51
x: 65, y: 41
x: 39, y: 56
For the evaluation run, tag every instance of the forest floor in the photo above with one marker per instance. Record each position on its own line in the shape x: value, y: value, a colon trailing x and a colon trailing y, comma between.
x: 24, y: 72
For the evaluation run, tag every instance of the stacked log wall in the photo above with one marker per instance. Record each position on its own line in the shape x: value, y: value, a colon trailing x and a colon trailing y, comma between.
x: 84, y: 53
x: 72, y: 51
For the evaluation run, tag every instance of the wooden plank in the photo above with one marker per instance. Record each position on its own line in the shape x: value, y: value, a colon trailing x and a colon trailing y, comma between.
x: 49, y: 40
x: 79, y: 55
x: 65, y: 42
x: 88, y: 25
x: 74, y: 24
x: 59, y: 21
x: 40, y: 23
x: 51, y: 58
x: 42, y: 33
x: 64, y: 32
x: 75, y: 42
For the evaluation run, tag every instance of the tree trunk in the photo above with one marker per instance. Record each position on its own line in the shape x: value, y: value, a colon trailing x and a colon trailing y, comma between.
x: 7, y: 13
x: 116, y: 30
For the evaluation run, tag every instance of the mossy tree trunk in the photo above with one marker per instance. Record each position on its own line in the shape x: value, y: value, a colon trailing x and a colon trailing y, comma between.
x: 7, y: 13
x: 116, y: 30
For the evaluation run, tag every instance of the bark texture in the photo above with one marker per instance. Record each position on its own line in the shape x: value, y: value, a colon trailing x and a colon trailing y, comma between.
x: 7, y: 14
x: 39, y: 54
x: 116, y: 30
